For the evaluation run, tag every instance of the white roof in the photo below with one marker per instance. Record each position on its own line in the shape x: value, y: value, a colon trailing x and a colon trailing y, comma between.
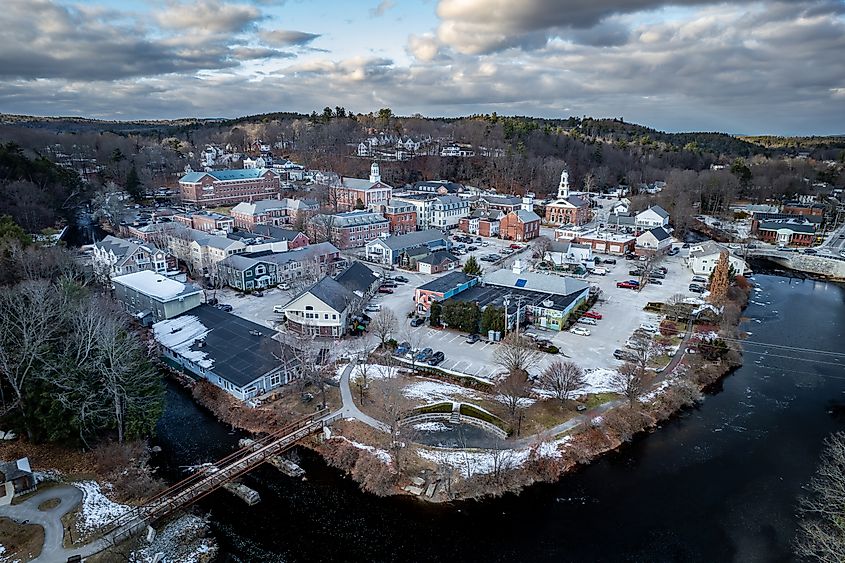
x: 556, y: 285
x: 155, y: 285
x: 179, y: 334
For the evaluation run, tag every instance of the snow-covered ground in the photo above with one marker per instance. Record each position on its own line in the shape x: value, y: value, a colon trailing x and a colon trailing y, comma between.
x: 432, y: 391
x: 599, y: 380
x: 432, y: 426
x: 477, y: 462
x: 553, y: 448
x: 181, y: 540
x: 96, y: 509
x: 382, y: 455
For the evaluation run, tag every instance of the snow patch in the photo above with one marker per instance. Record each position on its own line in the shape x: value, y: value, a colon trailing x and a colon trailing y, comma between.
x: 553, y: 449
x: 599, y: 380
x: 96, y: 509
x: 477, y: 462
x: 432, y: 426
x: 179, y: 334
x: 382, y: 455
x: 430, y: 391
x: 181, y: 540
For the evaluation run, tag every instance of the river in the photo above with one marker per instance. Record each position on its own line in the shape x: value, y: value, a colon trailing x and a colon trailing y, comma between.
x: 717, y: 483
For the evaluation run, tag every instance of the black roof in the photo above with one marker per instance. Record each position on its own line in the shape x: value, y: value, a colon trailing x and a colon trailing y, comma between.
x: 239, y: 357
x: 495, y: 296
x: 447, y: 282
x: 659, y: 233
x: 439, y: 256
x: 276, y: 232
x: 331, y: 293
x: 357, y: 277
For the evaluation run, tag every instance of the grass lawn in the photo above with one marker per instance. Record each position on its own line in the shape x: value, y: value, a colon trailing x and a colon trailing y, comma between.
x: 223, y: 209
x: 597, y: 399
x: 545, y: 414
x: 22, y: 541
x: 289, y: 404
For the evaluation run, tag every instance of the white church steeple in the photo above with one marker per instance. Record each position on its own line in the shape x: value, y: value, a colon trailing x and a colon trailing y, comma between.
x: 375, y: 175
x: 563, y: 188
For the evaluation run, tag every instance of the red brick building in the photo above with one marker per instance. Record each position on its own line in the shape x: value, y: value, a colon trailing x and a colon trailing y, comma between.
x: 353, y: 229
x: 402, y: 217
x: 357, y: 193
x: 205, y: 221
x: 520, y: 226
x: 482, y: 223
x: 223, y: 187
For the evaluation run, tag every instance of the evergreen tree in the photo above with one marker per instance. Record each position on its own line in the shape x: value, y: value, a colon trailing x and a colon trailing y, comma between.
x: 9, y: 230
x: 492, y: 318
x: 359, y: 204
x: 436, y: 310
x: 472, y: 267
x: 133, y: 185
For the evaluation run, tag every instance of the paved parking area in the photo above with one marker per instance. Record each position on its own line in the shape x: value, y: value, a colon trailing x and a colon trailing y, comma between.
x: 256, y: 309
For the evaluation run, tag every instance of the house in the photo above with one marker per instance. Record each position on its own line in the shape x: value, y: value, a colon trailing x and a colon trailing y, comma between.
x: 206, y: 221
x: 436, y: 262
x: 482, y: 222
x: 357, y: 193
x: 401, y: 216
x: 622, y: 222
x: 276, y: 212
x: 436, y: 211
x: 654, y: 241
x: 245, y: 273
x: 520, y: 226
x: 113, y: 256
x: 562, y: 254
x: 548, y: 299
x: 435, y: 187
x: 607, y: 243
x: 292, y: 238
x: 703, y: 257
x: 235, y: 354
x: 503, y: 203
x: 16, y: 479
x: 654, y: 216
x: 567, y: 209
x: 442, y: 288
x: 323, y: 309
x: 620, y: 206
x: 224, y: 187
x: 786, y: 232
x: 390, y: 250
x: 207, y: 250
x: 258, y: 270
x: 359, y: 279
x: 352, y: 229
x: 151, y: 297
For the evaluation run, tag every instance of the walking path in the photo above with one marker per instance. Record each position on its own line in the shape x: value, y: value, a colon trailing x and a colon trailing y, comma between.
x: 350, y: 409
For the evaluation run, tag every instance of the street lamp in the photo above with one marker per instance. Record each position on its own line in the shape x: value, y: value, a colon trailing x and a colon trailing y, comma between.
x: 507, y: 303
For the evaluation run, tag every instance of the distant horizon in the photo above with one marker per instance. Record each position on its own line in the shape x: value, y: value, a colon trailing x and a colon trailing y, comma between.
x: 411, y: 116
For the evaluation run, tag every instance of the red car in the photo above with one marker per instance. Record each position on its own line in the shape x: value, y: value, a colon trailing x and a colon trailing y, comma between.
x: 592, y: 315
x: 385, y: 290
x: 623, y: 285
x: 516, y: 246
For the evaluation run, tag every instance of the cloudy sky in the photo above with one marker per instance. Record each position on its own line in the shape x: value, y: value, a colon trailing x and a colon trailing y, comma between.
x: 765, y: 66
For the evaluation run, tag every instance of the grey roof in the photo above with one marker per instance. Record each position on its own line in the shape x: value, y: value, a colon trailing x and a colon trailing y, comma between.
x: 659, y: 233
x: 119, y: 247
x: 357, y: 278
x: 362, y: 184
x: 330, y: 292
x: 626, y: 219
x: 660, y: 211
x: 492, y: 215
x: 527, y: 216
x: 276, y: 232
x: 354, y: 218
x: 577, y: 201
x: 239, y: 262
x: 791, y: 225
x: 305, y: 253
x: 706, y: 248
x: 239, y: 357
x: 435, y: 185
x: 11, y: 470
x: 449, y: 200
x: 501, y: 199
x: 439, y: 257
x: 554, y: 285
x: 788, y: 216
x: 496, y: 295
x: 410, y: 240
x: 446, y: 282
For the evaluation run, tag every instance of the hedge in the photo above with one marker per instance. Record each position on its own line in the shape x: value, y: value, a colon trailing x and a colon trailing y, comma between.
x: 435, y: 408
x: 475, y: 412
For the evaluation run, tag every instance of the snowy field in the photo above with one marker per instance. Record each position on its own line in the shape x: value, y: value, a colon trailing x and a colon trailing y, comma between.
x: 96, y: 509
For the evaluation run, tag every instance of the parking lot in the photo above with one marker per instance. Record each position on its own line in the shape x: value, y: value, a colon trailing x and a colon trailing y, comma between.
x: 622, y: 311
x: 256, y: 309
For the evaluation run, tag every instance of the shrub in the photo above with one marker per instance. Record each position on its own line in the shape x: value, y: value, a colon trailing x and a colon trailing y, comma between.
x: 435, y: 408
x: 474, y: 412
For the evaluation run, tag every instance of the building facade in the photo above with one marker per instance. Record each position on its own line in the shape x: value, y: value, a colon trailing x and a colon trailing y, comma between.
x: 401, y: 215
x: 352, y: 229
x: 520, y: 226
x: 225, y: 187
x: 348, y: 194
x: 151, y: 297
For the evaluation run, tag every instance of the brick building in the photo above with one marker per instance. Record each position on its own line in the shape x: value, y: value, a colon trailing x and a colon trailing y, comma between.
x: 352, y: 229
x: 223, y: 187
x: 205, y: 221
x: 356, y: 193
x: 276, y: 212
x: 567, y: 209
x: 402, y: 217
x: 520, y: 226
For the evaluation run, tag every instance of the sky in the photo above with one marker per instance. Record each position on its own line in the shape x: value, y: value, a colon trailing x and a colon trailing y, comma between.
x: 745, y: 67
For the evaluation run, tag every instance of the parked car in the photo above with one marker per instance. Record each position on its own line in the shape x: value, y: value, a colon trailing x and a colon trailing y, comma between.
x: 655, y: 281
x: 634, y: 282
x: 636, y: 272
x: 810, y: 251
x: 600, y: 271
x: 609, y: 260
x: 284, y: 286
x: 592, y: 315
x: 673, y: 252
x: 402, y: 348
x: 389, y: 283
x: 580, y: 331
x: 385, y: 290
x: 225, y: 307
x: 401, y: 279
x: 649, y: 327
x: 436, y: 358
x: 685, y: 245
x: 699, y: 279
x: 696, y: 288
x: 416, y: 321
x: 516, y: 246
x: 471, y: 248
x: 472, y: 339
x: 372, y: 308
x: 506, y: 251
x: 258, y: 293
x: 423, y: 354
x: 478, y: 239
x: 212, y: 301
x: 278, y: 308
x: 624, y: 355
x: 587, y: 321
x: 626, y: 285
x: 485, y: 243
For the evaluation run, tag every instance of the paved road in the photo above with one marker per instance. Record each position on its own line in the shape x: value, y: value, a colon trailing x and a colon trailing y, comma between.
x: 50, y: 520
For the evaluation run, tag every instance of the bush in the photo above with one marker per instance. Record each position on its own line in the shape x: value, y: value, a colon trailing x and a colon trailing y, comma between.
x: 392, y: 344
x: 435, y: 408
x: 474, y: 412
x: 551, y: 349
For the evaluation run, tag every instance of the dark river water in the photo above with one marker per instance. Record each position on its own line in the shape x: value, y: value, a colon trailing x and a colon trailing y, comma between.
x: 718, y: 483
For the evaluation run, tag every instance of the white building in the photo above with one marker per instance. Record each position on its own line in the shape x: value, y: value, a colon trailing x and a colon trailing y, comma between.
x: 113, y: 256
x: 151, y: 297
x: 654, y: 216
x: 704, y: 256
x: 655, y: 240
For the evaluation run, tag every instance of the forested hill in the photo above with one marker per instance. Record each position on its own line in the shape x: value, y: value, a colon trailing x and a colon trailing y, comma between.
x: 797, y: 143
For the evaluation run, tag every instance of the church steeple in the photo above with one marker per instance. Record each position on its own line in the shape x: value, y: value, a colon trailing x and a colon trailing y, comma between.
x: 563, y: 188
x: 375, y: 175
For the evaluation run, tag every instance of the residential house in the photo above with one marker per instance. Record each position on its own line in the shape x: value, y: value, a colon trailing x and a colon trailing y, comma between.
x: 151, y: 297
x: 257, y: 270
x: 520, y: 226
x: 352, y: 229
x: 16, y: 479
x: 237, y: 355
x: 390, y: 250
x: 357, y: 193
x: 482, y: 222
x: 401, y: 215
x: 654, y: 241
x: 563, y: 254
x: 207, y: 221
x: 323, y: 309
x: 654, y: 216
x: 622, y: 222
x: 503, y: 203
x: 113, y: 256
x: 359, y: 279
x: 436, y: 262
x: 703, y: 257
x: 445, y: 287
x: 275, y: 212
x: 567, y: 209
x: 223, y: 187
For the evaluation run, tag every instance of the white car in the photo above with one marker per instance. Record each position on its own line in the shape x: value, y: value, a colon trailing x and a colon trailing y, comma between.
x: 587, y: 321
x: 278, y: 308
x: 284, y: 286
x: 373, y: 308
x: 579, y: 330
x: 648, y: 327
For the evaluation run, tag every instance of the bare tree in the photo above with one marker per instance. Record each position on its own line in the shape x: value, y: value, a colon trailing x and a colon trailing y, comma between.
x: 563, y: 378
x: 821, y: 536
x: 675, y: 307
x: 384, y: 325
x: 629, y: 380
x: 394, y: 406
x: 512, y: 392
x: 29, y: 325
x: 516, y: 354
